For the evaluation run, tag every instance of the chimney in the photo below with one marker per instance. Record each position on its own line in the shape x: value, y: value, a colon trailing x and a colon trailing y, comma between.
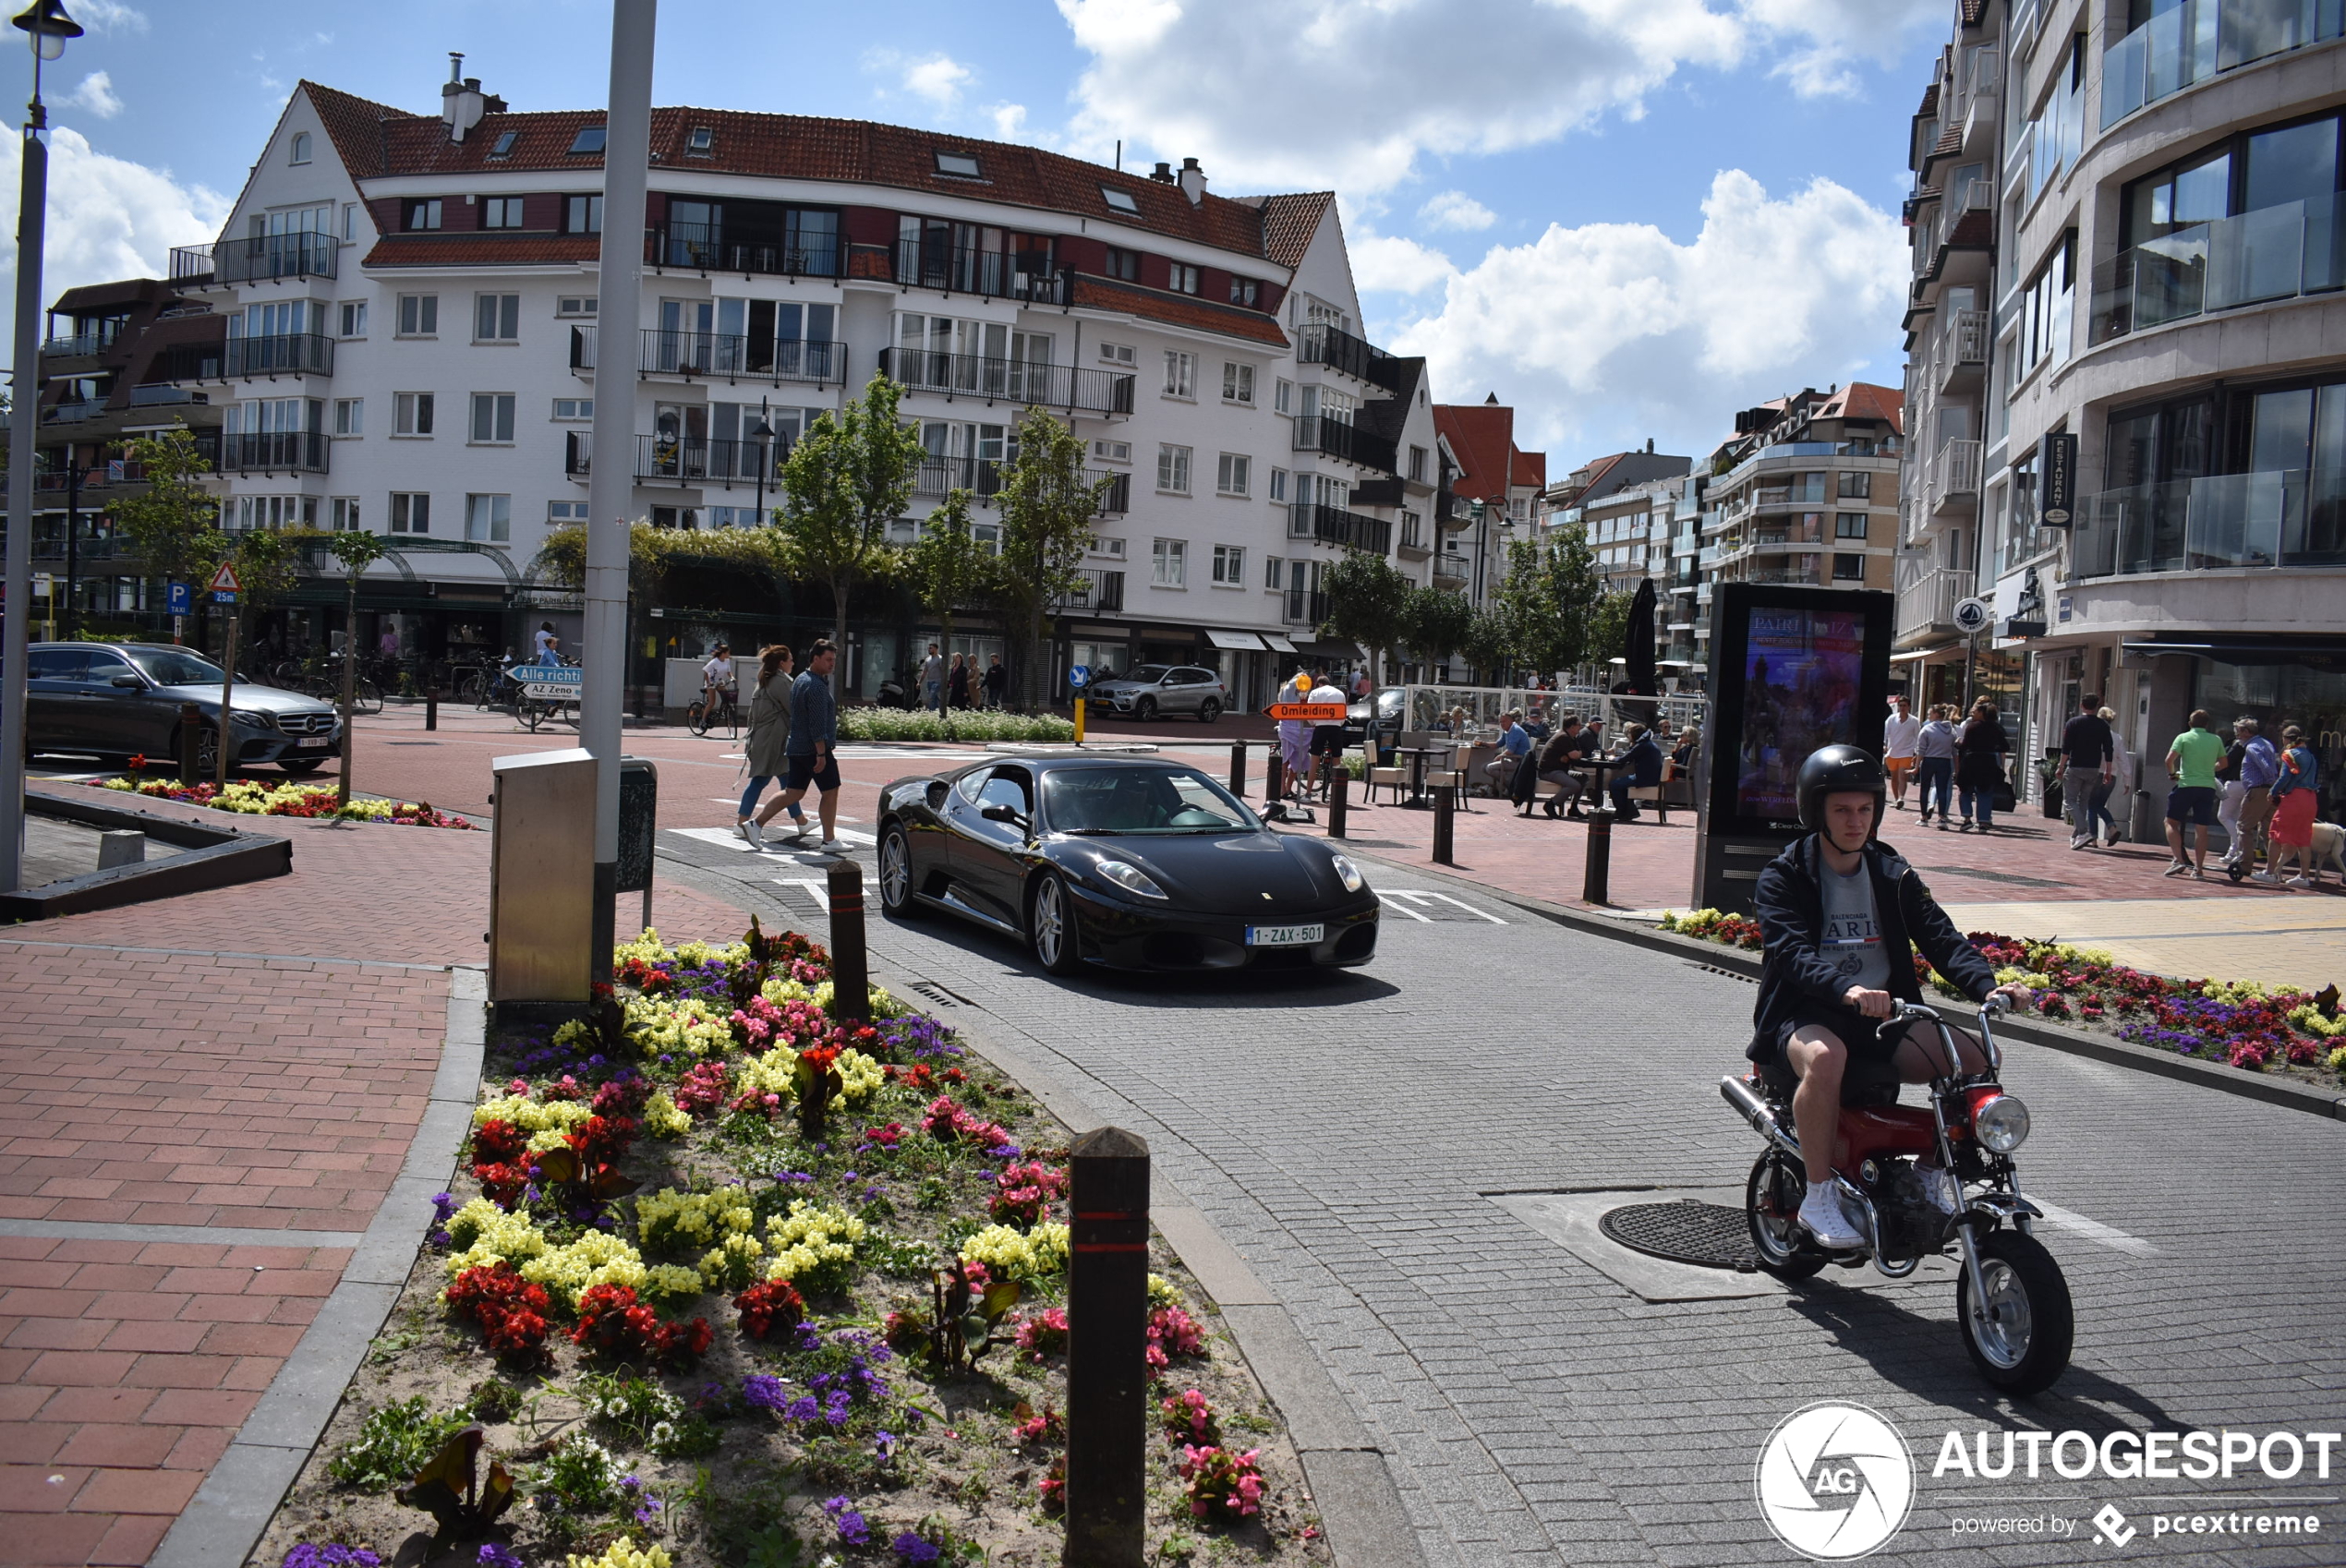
x: 1192, y: 182
x: 462, y: 104
x: 1164, y: 175
x: 1649, y: 446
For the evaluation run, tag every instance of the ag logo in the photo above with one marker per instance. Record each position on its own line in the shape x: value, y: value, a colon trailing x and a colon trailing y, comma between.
x: 1834, y: 1480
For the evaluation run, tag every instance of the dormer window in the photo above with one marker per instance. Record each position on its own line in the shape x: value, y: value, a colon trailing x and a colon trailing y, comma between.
x: 505, y: 147
x: 1120, y: 200
x: 701, y: 141
x: 300, y: 147
x: 588, y: 139
x: 960, y: 166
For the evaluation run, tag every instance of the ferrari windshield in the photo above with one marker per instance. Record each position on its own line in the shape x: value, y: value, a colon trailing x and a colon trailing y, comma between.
x: 1140, y: 799
x: 171, y: 667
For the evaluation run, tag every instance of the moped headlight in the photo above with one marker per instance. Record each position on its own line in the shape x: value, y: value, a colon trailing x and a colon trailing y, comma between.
x: 1347, y: 873
x: 2002, y: 1124
x: 1129, y: 877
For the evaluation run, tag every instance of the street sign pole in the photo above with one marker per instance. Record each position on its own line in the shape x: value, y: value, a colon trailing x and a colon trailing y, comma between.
x: 221, y: 745
x: 32, y: 213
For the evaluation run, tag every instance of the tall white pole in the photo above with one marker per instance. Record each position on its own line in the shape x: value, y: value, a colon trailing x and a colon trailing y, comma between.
x: 611, y: 492
x: 24, y: 424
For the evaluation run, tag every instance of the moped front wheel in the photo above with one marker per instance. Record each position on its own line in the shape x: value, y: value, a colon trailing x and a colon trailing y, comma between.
x: 2020, y: 1342
x: 1771, y: 1207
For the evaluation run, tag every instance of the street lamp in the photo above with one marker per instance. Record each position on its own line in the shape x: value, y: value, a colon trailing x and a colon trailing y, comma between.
x: 47, y: 28
x: 762, y: 433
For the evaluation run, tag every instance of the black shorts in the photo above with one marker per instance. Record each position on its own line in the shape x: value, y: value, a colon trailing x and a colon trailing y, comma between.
x: 1869, y: 1041
x: 1327, y: 740
x: 804, y: 772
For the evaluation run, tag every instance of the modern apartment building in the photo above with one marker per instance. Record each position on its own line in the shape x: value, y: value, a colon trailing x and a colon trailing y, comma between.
x: 2143, y: 196
x: 1806, y: 491
x: 412, y: 345
x: 1499, y: 490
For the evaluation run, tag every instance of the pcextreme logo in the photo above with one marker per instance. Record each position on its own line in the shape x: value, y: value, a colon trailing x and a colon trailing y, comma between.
x: 1834, y: 1480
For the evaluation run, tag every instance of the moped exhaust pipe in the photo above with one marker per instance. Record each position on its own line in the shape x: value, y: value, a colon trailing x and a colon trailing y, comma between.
x: 1753, y: 1109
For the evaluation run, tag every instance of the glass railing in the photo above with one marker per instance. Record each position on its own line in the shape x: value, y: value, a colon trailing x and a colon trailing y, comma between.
x: 2275, y: 253
x: 2199, y: 38
x: 2286, y: 518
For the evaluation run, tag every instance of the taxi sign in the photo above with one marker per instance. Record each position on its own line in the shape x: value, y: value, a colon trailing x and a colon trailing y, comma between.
x: 180, y: 600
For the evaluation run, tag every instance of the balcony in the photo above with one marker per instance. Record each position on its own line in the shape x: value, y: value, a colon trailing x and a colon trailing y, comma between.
x: 267, y: 258
x: 579, y: 454
x: 274, y: 452
x: 272, y: 355
x: 1317, y: 342
x: 2276, y: 519
x: 1116, y: 500
x: 1962, y: 351
x: 1335, y: 526
x: 2200, y: 38
x: 1331, y: 436
x: 582, y: 350
x: 991, y: 274
x: 1955, y: 475
x: 1101, y: 591
x: 1304, y: 606
x: 693, y: 460
x: 78, y: 345
x: 1927, y: 604
x: 1449, y: 570
x: 2274, y: 253
x: 731, y: 357
x: 1021, y: 384
x: 708, y: 248
x: 982, y: 476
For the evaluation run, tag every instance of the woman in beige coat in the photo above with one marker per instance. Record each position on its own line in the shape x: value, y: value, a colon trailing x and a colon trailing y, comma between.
x: 769, y: 745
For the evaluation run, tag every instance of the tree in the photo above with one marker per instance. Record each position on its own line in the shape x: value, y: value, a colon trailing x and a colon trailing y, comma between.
x: 1367, y: 603
x: 172, y: 525
x: 1608, y: 633
x: 843, y: 485
x: 1551, y: 590
x: 1487, y: 644
x: 1435, y: 623
x: 950, y: 568
x: 356, y: 552
x: 1047, y: 507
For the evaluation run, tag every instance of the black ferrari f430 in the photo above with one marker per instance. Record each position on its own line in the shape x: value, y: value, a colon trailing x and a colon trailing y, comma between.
x: 1124, y: 861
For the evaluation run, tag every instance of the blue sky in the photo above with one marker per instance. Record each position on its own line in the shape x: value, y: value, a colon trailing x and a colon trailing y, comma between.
x: 1627, y: 217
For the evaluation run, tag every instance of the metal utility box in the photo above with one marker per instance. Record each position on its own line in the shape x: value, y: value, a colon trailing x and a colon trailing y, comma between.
x: 541, y: 880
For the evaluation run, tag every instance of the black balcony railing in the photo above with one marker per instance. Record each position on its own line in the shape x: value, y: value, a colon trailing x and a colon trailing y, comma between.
x: 982, y: 476
x: 579, y: 453
x: 286, y: 452
x: 730, y: 356
x: 1014, y: 381
x: 1116, y: 500
x: 191, y: 265
x: 1100, y: 590
x: 994, y: 274
x: 1336, y: 438
x: 691, y: 460
x: 582, y: 348
x: 1320, y: 343
x: 1306, y: 606
x: 267, y: 256
x: 279, y: 354
x: 79, y: 344
x: 1335, y: 526
x: 708, y: 248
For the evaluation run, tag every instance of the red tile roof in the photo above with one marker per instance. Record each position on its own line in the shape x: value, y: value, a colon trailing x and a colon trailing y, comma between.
x: 483, y: 250
x: 1482, y: 435
x: 1864, y: 400
x: 1532, y: 468
x: 377, y: 142
x: 1179, y: 310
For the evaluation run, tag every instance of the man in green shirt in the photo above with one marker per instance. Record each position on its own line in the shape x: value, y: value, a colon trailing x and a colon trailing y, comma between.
x: 2191, y: 766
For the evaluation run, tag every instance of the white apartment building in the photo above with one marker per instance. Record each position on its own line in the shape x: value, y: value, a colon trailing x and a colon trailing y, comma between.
x: 411, y: 345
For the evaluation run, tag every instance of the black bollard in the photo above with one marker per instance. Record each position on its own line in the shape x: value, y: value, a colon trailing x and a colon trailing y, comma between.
x: 1107, y: 1305
x: 1238, y: 768
x: 1600, y: 866
x: 1444, y: 810
x: 851, y: 978
x: 431, y: 708
x: 190, y: 741
x: 1340, y: 788
x: 1273, y: 777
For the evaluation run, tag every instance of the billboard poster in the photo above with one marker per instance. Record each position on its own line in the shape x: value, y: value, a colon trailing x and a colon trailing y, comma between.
x: 1803, y: 673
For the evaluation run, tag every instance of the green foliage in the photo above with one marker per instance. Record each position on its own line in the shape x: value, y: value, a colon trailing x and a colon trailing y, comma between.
x: 1047, y: 507
x: 1435, y: 623
x: 393, y: 1443
x: 1367, y: 603
x: 1488, y: 643
x: 493, y: 1402
x: 173, y: 523
x: 948, y: 567
x: 268, y: 564
x: 655, y: 554
x: 902, y: 724
x: 1609, y: 629
x: 579, y: 1477
x: 844, y: 483
x: 1548, y: 598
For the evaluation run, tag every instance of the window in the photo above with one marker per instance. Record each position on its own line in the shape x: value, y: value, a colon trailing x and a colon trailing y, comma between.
x: 2046, y: 306
x: 1278, y: 484
x: 1848, y: 568
x: 1112, y: 451
x: 575, y: 305
x: 411, y: 414
x: 1181, y: 279
x: 1180, y: 373
x: 1275, y: 573
x: 960, y: 166
x: 353, y: 318
x: 1112, y: 549
x: 1122, y: 263
x: 1857, y: 486
x: 1120, y: 200
x: 1169, y: 564
x: 1237, y: 382
x: 1173, y: 469
x: 588, y: 139
x: 1116, y: 354
x: 344, y: 516
x: 1416, y: 464
x: 488, y: 519
x: 581, y: 214
x: 1230, y: 473
x: 492, y: 417
x: 300, y: 148
x: 505, y: 147
x: 350, y: 415
x: 573, y: 408
x: 1283, y: 397
x: 410, y: 513
x: 566, y: 512
x: 1412, y: 526
x: 700, y: 143
x: 1244, y: 291
x: 350, y: 220
x: 500, y: 212
x: 496, y: 317
x: 1229, y: 566
x: 422, y: 214
x: 418, y: 315
x: 1849, y: 525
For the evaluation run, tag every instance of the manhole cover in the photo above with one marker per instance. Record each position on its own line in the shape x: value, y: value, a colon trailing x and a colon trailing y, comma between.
x: 1708, y: 1234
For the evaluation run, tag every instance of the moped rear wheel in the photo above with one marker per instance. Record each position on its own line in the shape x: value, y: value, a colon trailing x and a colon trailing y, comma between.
x: 1771, y: 1207
x: 2021, y: 1343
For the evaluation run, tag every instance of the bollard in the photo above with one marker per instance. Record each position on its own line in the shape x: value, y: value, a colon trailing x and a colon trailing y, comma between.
x: 1108, y: 1304
x: 851, y: 981
x: 1238, y: 768
x: 1273, y: 777
x: 1339, y: 790
x: 1600, y: 866
x: 431, y: 708
x: 1444, y: 810
x: 190, y: 741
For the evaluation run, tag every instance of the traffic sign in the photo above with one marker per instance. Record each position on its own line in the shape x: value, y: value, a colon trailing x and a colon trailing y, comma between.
x: 1971, y: 615
x: 180, y: 599
x: 549, y: 682
x: 225, y: 579
x: 1080, y: 677
x: 1308, y: 713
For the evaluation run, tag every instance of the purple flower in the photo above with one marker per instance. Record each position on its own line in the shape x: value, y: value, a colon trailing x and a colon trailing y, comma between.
x: 442, y: 1207
x: 332, y: 1554
x: 764, y: 1392
x: 912, y: 1548
x: 851, y: 1525
x: 793, y: 1176
x: 495, y: 1556
x: 802, y: 1410
x: 884, y: 1445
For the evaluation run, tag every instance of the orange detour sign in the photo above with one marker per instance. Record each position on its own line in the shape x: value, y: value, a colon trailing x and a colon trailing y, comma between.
x: 1308, y: 713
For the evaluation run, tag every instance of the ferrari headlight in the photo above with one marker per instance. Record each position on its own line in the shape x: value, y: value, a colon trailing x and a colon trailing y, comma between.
x: 1347, y: 874
x: 2002, y: 1124
x: 1129, y: 877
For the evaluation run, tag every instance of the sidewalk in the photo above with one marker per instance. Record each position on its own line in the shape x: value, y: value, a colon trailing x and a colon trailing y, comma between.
x: 204, y: 1103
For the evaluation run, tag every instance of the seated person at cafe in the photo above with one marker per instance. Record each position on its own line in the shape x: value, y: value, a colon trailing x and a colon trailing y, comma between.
x: 1640, y: 769
x: 1559, y: 761
x: 1515, y: 749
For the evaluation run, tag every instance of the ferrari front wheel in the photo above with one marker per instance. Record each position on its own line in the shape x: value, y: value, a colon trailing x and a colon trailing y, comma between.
x: 1051, y: 926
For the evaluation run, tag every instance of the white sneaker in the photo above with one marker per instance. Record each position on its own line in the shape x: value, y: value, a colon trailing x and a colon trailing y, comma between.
x: 799, y: 827
x: 1820, y: 1215
x: 2298, y: 882
x: 834, y: 846
x: 2265, y: 876
x: 751, y: 832
x: 1940, y: 1185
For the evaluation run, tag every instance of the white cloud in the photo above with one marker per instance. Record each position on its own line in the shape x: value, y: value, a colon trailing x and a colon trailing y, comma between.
x: 935, y: 79
x: 1456, y: 210
x: 1401, y: 266
x: 1609, y: 333
x: 1010, y: 122
x: 1832, y: 35
x: 108, y: 218
x: 109, y: 16
x: 96, y: 94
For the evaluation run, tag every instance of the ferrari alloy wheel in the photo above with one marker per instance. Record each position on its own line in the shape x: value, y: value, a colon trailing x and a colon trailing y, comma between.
x: 1050, y: 924
x: 896, y: 873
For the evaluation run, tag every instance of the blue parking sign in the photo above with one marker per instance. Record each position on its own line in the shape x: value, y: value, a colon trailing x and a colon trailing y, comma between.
x: 1080, y: 677
x: 181, y: 599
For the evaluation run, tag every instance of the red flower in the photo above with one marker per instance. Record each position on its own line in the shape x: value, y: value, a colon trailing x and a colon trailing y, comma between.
x: 770, y: 1308
x: 510, y: 1310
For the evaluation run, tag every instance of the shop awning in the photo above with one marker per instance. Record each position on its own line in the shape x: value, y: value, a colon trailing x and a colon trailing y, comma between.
x: 1236, y: 642
x: 1278, y: 643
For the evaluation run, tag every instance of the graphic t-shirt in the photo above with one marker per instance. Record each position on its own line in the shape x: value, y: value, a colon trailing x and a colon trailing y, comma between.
x: 2196, y: 752
x: 1853, y: 931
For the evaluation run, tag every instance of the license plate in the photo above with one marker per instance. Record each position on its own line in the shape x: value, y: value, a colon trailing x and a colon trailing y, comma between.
x: 315, y: 742
x: 1285, y: 936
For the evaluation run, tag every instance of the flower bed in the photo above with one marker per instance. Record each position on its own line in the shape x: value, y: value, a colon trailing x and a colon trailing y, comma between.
x: 253, y: 798
x: 961, y: 724
x: 725, y: 1279
x: 2242, y: 1024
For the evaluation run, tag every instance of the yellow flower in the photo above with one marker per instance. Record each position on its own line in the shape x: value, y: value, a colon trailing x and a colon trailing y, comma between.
x: 662, y: 1118
x: 814, y: 1246
x: 667, y: 1282
x: 594, y: 1259
x: 669, y: 1220
x: 622, y: 1554
x: 533, y: 1116
x: 646, y: 948
x: 1012, y: 1254
x: 678, y: 1026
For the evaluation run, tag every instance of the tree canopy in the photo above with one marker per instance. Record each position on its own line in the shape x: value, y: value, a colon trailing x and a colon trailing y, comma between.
x: 1047, y: 507
x: 1367, y: 603
x: 844, y: 482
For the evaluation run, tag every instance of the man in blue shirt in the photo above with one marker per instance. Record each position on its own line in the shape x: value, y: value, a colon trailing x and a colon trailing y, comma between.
x: 813, y: 743
x: 2259, y: 769
x: 1515, y: 745
x: 1640, y: 769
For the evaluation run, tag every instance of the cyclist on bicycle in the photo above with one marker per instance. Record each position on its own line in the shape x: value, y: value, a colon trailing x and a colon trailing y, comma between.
x: 716, y: 677
x: 1840, y: 917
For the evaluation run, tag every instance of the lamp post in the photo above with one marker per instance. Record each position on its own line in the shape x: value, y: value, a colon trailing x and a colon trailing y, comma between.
x: 47, y: 28
x: 763, y: 434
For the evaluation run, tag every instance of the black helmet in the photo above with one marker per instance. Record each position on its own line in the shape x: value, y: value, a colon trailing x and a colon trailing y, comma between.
x: 1835, y: 770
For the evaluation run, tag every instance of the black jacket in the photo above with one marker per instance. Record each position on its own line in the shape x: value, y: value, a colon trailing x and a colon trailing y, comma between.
x: 1796, y: 982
